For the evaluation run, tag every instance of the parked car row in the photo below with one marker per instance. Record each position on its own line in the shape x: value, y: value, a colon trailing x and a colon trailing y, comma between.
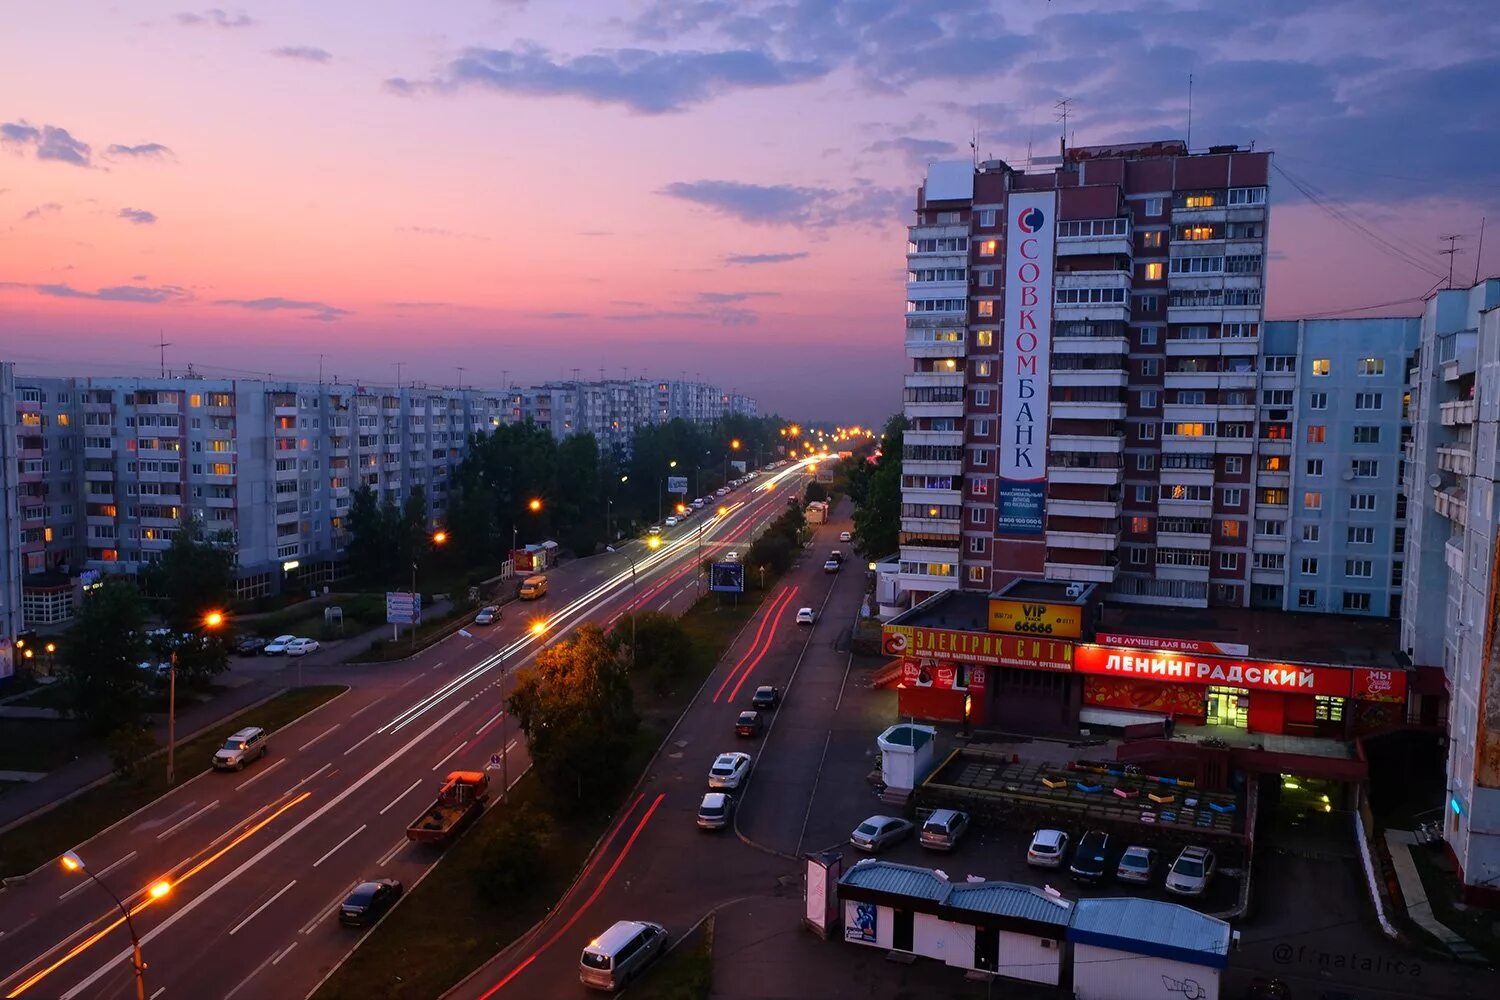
x: 941, y: 831
x: 1188, y: 875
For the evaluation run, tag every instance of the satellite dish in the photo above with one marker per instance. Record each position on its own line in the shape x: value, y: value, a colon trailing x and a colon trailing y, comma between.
x: 1434, y: 480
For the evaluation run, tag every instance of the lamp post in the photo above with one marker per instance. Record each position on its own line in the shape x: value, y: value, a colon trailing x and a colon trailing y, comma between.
x: 438, y: 538
x: 537, y: 628
x: 71, y: 862
x: 653, y: 543
x: 733, y: 446
x: 211, y: 620
x: 535, y: 506
x: 670, y: 465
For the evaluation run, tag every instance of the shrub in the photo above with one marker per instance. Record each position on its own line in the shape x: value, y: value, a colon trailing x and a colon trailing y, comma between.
x: 511, y: 863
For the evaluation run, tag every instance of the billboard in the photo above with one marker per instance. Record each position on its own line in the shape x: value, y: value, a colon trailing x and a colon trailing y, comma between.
x: 1036, y: 618
x: 938, y: 644
x: 727, y: 578
x: 402, y: 608
x: 1031, y: 223
x: 1174, y: 645
x: 1190, y: 668
x: 677, y: 484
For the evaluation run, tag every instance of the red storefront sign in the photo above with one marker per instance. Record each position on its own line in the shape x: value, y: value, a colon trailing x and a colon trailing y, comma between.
x: 1169, y: 699
x: 1195, y: 646
x: 1114, y: 661
x: 988, y: 648
x: 945, y: 676
x: 1379, y: 685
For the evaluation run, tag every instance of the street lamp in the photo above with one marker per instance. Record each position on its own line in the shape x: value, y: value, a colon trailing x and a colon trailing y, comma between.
x: 653, y: 543
x: 211, y: 620
x: 71, y: 862
x: 438, y: 538
x: 670, y: 465
x: 535, y: 506
x: 504, y: 743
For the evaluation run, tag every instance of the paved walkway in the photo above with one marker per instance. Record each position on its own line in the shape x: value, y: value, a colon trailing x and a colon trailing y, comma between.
x: 1399, y: 843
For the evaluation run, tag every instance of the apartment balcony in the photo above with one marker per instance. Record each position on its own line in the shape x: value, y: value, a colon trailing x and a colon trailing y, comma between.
x: 1194, y: 444
x: 1458, y: 413
x: 932, y: 467
x: 1102, y: 509
x: 1111, y: 444
x: 1234, y: 446
x: 1201, y: 313
x: 1106, y: 377
x: 1456, y: 354
x: 284, y: 475
x: 1087, y: 409
x: 1085, y: 572
x: 1208, y: 214
x: 1109, y: 342
x: 222, y: 503
x: 1451, y: 503
x: 1181, y: 572
x: 932, y: 498
x: 1271, y: 577
x: 922, y: 343
x: 1458, y: 460
x: 1118, y: 245
x: 1268, y: 543
x: 1453, y: 555
x: 1105, y: 539
x: 1190, y: 380
x: 1094, y: 311
x: 954, y: 408
x: 1186, y: 477
x: 1275, y: 446
x: 99, y: 452
x: 1274, y: 480
x: 1235, y: 413
x: 1197, y: 541
x: 1184, y: 508
x: 953, y: 438
x: 1237, y: 380
x: 935, y: 231
x: 933, y: 527
x: 1192, y: 413
x: 1088, y: 475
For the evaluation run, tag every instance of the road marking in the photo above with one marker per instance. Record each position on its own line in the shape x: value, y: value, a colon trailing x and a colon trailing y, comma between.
x: 324, y: 913
x: 159, y: 991
x: 150, y: 824
x: 470, y: 646
x: 393, y: 851
x: 261, y: 907
x: 260, y: 774
x: 246, y: 981
x: 665, y: 604
x: 178, y: 826
x: 492, y: 720
x: 27, y: 923
x: 319, y: 736
x: 403, y: 795
x: 85, y: 883
x: 450, y: 755
x: 362, y: 742
x: 366, y: 708
x: 308, y: 778
x: 341, y: 843
x: 284, y: 954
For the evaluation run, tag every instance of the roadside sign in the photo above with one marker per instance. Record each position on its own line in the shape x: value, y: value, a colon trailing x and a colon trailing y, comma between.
x: 402, y: 608
x: 494, y: 762
x: 677, y: 484
x: 728, y: 578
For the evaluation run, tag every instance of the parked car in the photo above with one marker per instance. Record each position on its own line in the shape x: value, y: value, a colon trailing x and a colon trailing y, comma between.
x: 250, y: 645
x: 277, y: 646
x: 879, y: 831
x: 488, y: 615
x: 1136, y: 865
x: 369, y: 901
x: 671, y: 522
x: 241, y: 748
x: 806, y: 616
x: 729, y: 769
x: 748, y: 724
x: 1091, y: 859
x: 844, y: 536
x: 301, y: 647
x: 715, y: 811
x: 942, y: 829
x: 766, y: 696
x: 831, y: 566
x: 1191, y: 872
x: 1048, y: 848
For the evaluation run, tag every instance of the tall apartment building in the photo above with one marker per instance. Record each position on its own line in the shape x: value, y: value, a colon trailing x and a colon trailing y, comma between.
x: 11, y: 621
x: 612, y: 410
x: 1451, y: 612
x: 1082, y: 398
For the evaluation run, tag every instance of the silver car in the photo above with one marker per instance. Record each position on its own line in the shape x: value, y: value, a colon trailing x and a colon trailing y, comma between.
x: 715, y: 811
x: 1136, y: 865
x: 878, y: 832
x: 1191, y: 872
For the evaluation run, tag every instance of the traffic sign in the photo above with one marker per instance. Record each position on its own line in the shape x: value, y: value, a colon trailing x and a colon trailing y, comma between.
x: 403, y: 608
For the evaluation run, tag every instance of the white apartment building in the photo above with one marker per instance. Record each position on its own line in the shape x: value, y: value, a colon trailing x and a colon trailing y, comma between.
x: 11, y: 462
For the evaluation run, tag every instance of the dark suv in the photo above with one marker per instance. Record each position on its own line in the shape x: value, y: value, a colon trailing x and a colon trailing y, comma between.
x: 1089, y: 860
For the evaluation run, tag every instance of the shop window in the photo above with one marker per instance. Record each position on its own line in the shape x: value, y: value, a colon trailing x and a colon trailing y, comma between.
x: 1328, y: 708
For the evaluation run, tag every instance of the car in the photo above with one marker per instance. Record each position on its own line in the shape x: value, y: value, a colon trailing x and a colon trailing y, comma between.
x: 1136, y: 865
x: 766, y: 696
x: 156, y: 670
x: 831, y: 566
x: 722, y: 491
x: 241, y: 748
x: 729, y: 769
x: 731, y: 556
x: 301, y: 647
x: 942, y: 829
x: 488, y: 615
x: 1191, y: 872
x: 806, y: 616
x: 671, y: 522
x: 748, y: 724
x: 655, y: 529
x: 277, y: 646
x: 879, y: 831
x: 715, y: 811
x: 250, y: 645
x: 844, y: 536
x: 369, y: 901
x: 1091, y: 859
x: 617, y: 956
x: 696, y: 504
x: 1048, y: 847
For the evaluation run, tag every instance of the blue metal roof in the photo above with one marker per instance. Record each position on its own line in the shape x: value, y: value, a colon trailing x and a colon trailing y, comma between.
x: 887, y: 876
x: 1151, y: 927
x: 1009, y: 899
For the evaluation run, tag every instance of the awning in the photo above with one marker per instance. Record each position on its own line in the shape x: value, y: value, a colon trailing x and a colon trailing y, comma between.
x: 1117, y: 718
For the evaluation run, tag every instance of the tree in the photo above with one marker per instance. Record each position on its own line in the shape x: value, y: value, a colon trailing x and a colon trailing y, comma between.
x: 101, y: 657
x: 579, y: 507
x: 511, y: 862
x: 877, y: 521
x: 663, y: 650
x: 815, y: 491
x: 365, y: 548
x: 195, y: 576
x: 129, y: 746
x: 575, y: 706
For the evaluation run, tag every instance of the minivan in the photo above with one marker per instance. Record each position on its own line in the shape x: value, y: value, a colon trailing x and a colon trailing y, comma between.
x: 942, y: 829
x: 620, y: 954
x: 240, y: 749
x: 532, y: 588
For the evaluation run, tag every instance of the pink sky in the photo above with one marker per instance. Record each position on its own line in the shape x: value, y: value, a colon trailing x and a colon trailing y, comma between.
x: 710, y: 188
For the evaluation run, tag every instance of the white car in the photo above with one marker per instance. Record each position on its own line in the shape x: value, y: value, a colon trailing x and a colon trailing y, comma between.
x: 277, y: 646
x: 879, y: 831
x: 844, y: 536
x: 806, y: 616
x: 731, y: 556
x: 1048, y: 848
x: 1136, y: 865
x: 655, y: 529
x: 671, y: 522
x: 1191, y: 872
x: 697, y: 504
x: 301, y: 647
x: 488, y: 615
x: 729, y: 770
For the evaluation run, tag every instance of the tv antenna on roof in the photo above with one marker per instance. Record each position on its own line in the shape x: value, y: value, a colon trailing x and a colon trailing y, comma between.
x: 1451, y: 252
x: 1063, y: 108
x: 162, y: 343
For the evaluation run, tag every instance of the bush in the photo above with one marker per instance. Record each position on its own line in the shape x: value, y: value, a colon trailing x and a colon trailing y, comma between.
x: 129, y: 746
x: 512, y: 862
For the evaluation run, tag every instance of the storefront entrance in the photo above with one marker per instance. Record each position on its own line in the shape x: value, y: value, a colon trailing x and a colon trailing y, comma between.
x: 1228, y: 706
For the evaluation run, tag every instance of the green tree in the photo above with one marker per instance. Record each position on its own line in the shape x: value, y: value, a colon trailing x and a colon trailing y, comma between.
x: 877, y: 521
x: 195, y: 576
x: 575, y: 706
x: 815, y: 491
x: 579, y: 513
x: 663, y: 652
x: 129, y: 746
x: 511, y: 863
x: 366, y: 545
x: 101, y: 656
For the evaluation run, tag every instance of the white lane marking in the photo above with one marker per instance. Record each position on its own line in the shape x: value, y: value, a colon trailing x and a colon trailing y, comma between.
x: 284, y: 954
x: 182, y: 823
x: 159, y: 991
x: 439, y: 663
x: 246, y: 981
x: 24, y: 923
x: 393, y: 851
x: 665, y: 604
x: 248, y: 820
x: 261, y: 907
x: 308, y: 778
x: 85, y: 883
x: 471, y: 645
x: 319, y: 736
x: 450, y: 755
x: 365, y: 708
x: 260, y: 774
x: 169, y: 817
x: 341, y: 843
x: 487, y: 723
x: 361, y: 743
x: 327, y: 911
x: 403, y: 795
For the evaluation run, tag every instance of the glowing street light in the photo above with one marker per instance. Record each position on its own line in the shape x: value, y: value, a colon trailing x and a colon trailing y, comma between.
x: 539, y: 627
x: 71, y: 862
x: 534, y: 505
x: 211, y: 620
x: 439, y: 537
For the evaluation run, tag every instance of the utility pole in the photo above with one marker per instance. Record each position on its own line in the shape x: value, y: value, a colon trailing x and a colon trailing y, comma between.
x: 1451, y: 252
x: 162, y: 344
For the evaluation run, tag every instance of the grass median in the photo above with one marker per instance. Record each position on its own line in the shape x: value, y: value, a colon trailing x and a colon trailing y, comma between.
x: 446, y: 927
x: 686, y: 974
x: 37, y: 841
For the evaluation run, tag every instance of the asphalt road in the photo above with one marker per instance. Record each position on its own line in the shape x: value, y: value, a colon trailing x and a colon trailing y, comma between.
x: 260, y: 859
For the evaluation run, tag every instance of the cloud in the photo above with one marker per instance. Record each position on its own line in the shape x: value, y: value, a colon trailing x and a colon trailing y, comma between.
x: 139, y: 216
x: 451, y: 234
x: 145, y: 151
x: 311, y: 309
x: 114, y: 293
x: 640, y: 79
x: 45, y: 209
x: 763, y: 258
x: 305, y: 53
x: 48, y: 142
x: 916, y: 152
x: 722, y: 297
x: 561, y: 314
x: 792, y: 205
x: 216, y: 17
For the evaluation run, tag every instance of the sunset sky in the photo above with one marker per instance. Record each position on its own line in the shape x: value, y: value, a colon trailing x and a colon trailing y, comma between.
x: 715, y: 187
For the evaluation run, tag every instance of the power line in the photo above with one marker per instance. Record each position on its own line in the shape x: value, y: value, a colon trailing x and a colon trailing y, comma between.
x: 1347, y: 219
x: 1374, y: 305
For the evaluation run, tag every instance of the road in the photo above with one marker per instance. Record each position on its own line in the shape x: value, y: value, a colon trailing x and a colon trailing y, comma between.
x: 654, y: 863
x: 260, y: 859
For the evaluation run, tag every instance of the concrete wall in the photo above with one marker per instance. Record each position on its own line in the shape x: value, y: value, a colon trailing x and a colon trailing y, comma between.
x: 1106, y: 974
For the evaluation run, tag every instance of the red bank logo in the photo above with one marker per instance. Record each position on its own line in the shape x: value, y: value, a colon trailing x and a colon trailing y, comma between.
x: 1030, y: 220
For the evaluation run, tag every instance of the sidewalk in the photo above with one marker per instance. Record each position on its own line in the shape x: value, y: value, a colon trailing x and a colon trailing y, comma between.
x: 1418, y: 908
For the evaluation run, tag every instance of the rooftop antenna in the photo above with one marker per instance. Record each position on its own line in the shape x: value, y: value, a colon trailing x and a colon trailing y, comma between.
x: 974, y: 139
x: 161, y: 342
x: 1030, y: 134
x: 1190, y: 114
x: 1479, y: 253
x: 460, y: 378
x: 320, y: 369
x: 398, y: 365
x: 505, y: 378
x: 1063, y: 108
x: 1452, y: 251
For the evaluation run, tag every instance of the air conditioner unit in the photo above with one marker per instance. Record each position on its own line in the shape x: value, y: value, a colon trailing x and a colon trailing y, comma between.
x: 1075, y: 590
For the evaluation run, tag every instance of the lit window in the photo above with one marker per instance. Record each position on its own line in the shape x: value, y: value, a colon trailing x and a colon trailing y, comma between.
x: 1151, y: 241
x: 1140, y: 525
x: 195, y: 399
x: 62, y: 420
x: 1320, y: 366
x: 982, y: 369
x: 1197, y: 232
x: 1229, y: 529
x: 984, y: 338
x: 986, y: 309
x: 1316, y: 433
x: 1312, y: 500
x: 1153, y: 272
x: 1199, y: 201
x: 987, y: 248
x: 1372, y: 366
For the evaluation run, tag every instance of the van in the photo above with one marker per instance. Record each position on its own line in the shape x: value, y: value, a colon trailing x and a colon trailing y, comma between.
x: 533, y: 587
x: 240, y: 749
x: 618, y: 955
